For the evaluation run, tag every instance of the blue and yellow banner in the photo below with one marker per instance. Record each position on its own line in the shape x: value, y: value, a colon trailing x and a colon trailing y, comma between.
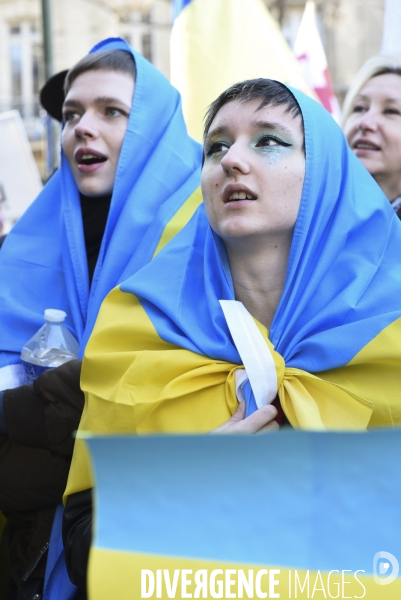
x: 216, y: 43
x: 286, y: 515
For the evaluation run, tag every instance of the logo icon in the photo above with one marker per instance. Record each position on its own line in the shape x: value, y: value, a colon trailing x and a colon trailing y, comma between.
x: 385, y: 568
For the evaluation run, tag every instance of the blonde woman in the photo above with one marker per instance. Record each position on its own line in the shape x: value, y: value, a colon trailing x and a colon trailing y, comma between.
x: 372, y: 123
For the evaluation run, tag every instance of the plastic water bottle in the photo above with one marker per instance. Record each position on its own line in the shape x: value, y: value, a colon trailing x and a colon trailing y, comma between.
x: 51, y: 346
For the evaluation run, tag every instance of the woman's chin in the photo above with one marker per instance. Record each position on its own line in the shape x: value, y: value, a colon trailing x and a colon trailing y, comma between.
x: 369, y: 161
x: 94, y: 191
x: 236, y: 232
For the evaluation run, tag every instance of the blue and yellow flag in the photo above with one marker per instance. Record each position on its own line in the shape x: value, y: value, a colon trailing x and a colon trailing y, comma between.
x: 216, y: 43
x: 285, y: 515
x: 162, y: 359
x: 43, y: 260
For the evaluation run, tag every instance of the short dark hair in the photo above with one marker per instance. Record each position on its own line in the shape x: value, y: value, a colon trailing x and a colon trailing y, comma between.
x: 110, y: 60
x: 269, y: 91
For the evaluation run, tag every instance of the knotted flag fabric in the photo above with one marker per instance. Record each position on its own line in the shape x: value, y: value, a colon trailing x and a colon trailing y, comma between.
x: 287, y: 515
x: 162, y: 359
x: 43, y: 260
x: 216, y: 43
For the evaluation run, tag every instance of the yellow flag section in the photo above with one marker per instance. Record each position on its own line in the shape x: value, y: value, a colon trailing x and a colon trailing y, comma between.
x: 216, y: 43
x: 135, y: 382
x: 127, y: 575
x: 180, y: 219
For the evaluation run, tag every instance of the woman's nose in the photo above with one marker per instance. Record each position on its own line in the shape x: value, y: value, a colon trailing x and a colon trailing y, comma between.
x: 368, y: 120
x: 235, y: 160
x: 86, y: 126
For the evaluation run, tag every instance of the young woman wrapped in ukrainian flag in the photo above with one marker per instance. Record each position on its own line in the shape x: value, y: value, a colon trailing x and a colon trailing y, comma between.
x: 127, y: 183
x: 293, y: 231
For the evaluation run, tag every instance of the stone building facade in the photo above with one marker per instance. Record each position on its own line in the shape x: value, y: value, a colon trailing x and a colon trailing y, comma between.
x: 351, y: 31
x: 76, y: 26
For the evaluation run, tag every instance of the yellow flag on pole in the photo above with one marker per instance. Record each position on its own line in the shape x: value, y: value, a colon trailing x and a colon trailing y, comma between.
x: 216, y: 43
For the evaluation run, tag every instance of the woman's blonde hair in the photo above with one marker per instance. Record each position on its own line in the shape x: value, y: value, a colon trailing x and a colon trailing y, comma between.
x: 377, y: 65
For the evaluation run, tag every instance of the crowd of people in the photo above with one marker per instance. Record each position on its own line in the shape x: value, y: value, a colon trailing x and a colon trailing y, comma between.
x: 295, y: 233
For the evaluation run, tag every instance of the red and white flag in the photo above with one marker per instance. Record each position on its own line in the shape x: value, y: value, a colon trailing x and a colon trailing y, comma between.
x: 308, y: 49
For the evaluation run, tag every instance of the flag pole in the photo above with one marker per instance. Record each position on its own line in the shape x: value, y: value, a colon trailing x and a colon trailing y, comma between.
x: 391, y: 42
x: 49, y: 70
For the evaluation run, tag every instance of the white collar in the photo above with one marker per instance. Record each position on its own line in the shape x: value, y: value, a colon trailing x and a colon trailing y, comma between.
x: 396, y: 203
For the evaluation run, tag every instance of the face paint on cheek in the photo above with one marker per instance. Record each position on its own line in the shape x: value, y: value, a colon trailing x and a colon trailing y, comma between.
x: 274, y: 154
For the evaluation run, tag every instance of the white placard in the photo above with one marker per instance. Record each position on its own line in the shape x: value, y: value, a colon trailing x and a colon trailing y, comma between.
x: 20, y: 180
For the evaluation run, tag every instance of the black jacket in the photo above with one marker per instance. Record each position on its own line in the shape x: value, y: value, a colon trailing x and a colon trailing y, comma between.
x: 77, y: 536
x: 34, y: 462
x: 36, y: 453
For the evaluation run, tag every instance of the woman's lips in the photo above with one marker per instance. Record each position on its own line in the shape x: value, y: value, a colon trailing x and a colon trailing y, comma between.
x: 365, y: 146
x: 237, y: 195
x: 89, y: 168
x: 235, y: 204
x: 89, y: 160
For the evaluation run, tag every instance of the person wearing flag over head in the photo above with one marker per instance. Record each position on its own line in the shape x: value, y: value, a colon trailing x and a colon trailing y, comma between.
x: 284, y: 286
x: 127, y: 183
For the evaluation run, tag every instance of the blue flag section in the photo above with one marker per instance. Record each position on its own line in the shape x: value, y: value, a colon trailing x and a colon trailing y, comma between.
x: 321, y: 510
x: 178, y: 6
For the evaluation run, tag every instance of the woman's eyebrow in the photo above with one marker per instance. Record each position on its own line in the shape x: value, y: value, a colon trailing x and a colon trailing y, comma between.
x: 388, y: 99
x: 222, y: 130
x: 273, y: 126
x: 393, y: 99
x: 70, y: 102
x: 109, y: 100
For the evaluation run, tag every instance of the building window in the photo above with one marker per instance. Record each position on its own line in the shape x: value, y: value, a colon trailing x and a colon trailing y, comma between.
x: 37, y: 68
x: 16, y: 74
x: 26, y: 72
x: 147, y: 45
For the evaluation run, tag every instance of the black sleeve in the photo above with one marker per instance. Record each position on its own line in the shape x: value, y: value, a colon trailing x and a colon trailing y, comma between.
x: 35, y: 455
x: 47, y: 413
x: 77, y: 536
x: 24, y: 414
x: 31, y: 478
x: 3, y: 424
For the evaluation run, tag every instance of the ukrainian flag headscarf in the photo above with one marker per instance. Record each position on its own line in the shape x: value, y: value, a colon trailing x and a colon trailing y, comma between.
x: 43, y: 260
x: 161, y: 357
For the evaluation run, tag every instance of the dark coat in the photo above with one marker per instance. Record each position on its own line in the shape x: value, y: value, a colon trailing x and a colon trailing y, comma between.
x: 77, y: 536
x: 34, y: 462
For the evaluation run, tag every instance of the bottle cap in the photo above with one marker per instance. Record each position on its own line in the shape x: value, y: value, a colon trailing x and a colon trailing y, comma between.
x: 54, y: 315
